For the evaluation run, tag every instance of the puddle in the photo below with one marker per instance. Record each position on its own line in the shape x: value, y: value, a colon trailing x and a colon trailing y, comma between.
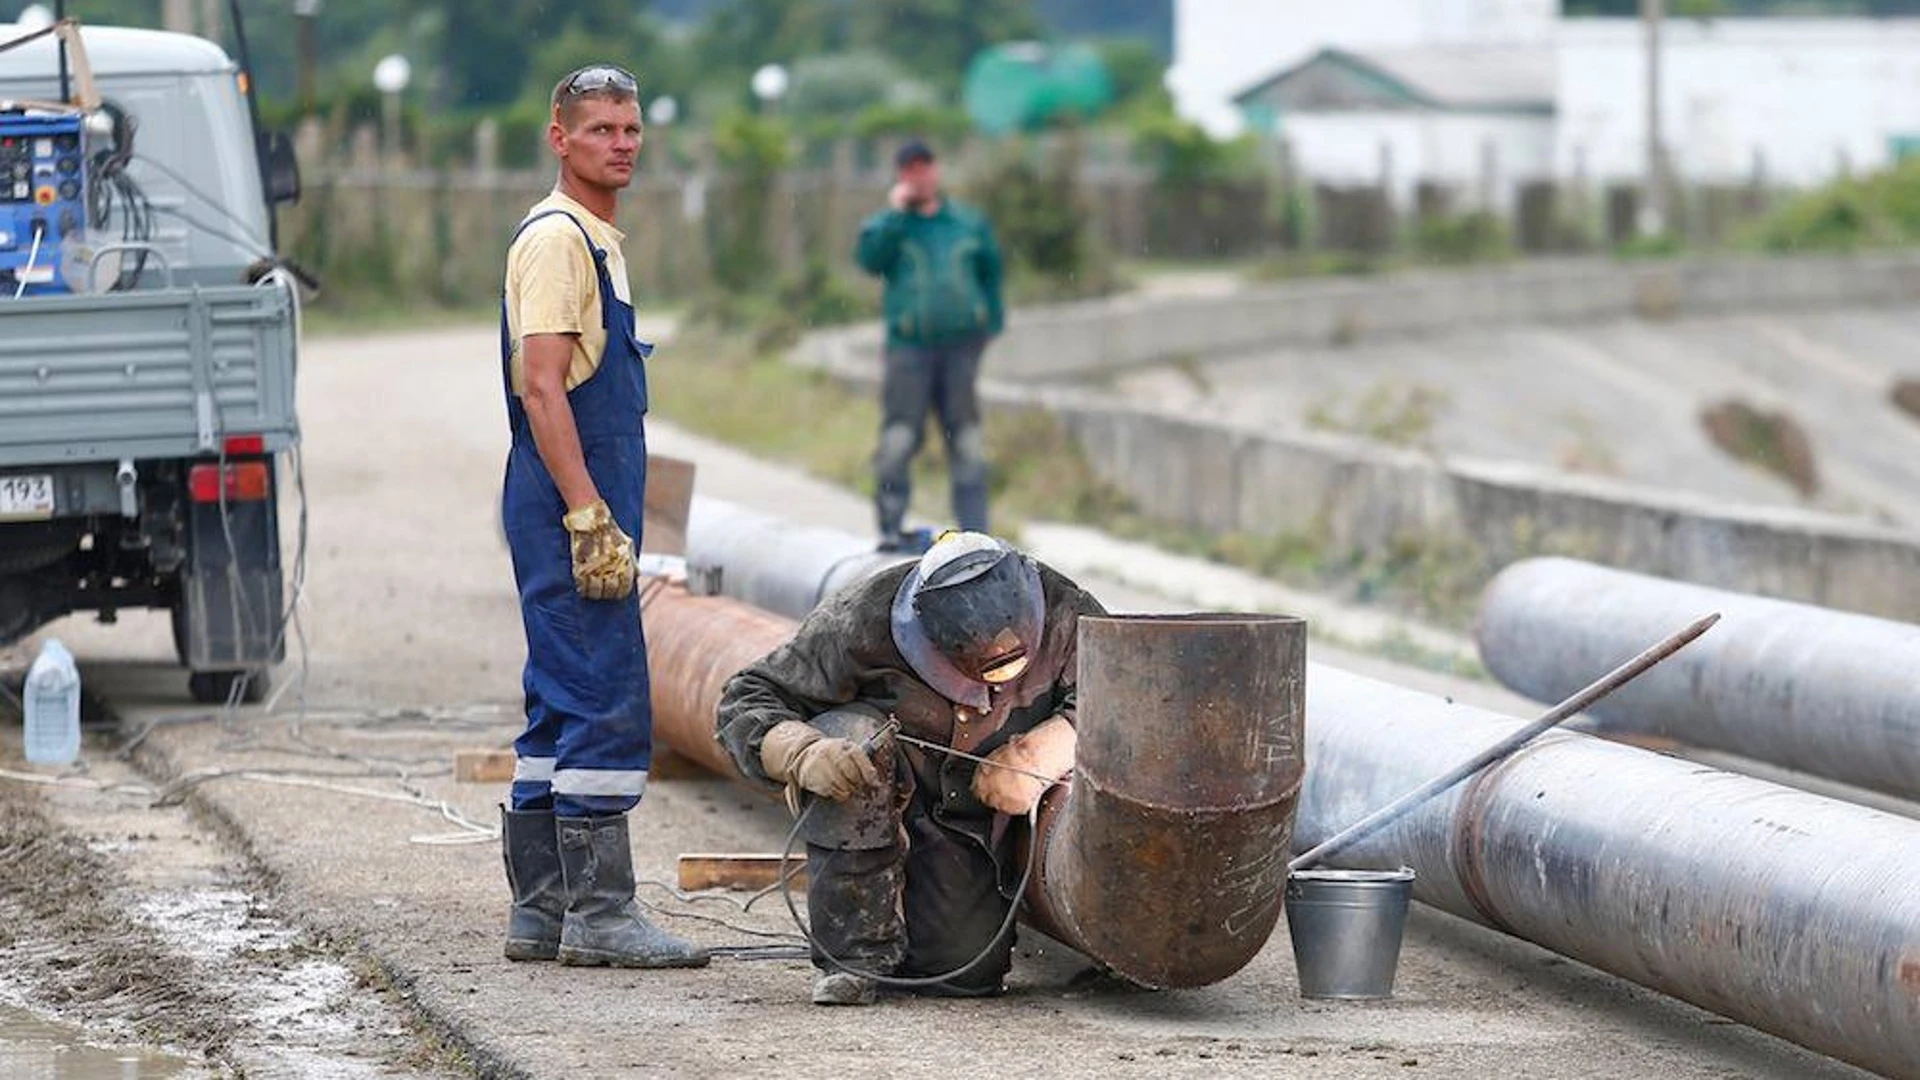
x: 33, y: 1049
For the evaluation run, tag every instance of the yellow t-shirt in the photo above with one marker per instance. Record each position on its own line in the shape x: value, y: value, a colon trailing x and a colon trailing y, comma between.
x: 552, y: 289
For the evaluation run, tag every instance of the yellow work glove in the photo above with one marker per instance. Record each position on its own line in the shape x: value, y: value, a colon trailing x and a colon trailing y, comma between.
x: 798, y: 755
x: 602, y: 554
x: 1046, y: 751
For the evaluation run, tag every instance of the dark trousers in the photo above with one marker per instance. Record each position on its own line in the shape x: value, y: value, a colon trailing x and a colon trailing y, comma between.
x: 940, y: 379
x: 893, y: 890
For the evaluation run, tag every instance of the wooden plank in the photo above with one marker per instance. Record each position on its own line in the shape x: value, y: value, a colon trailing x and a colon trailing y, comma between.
x: 747, y: 873
x: 483, y: 766
x: 669, y: 502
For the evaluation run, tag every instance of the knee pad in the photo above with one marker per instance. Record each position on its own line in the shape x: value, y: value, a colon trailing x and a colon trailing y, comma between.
x: 867, y: 820
x: 970, y: 453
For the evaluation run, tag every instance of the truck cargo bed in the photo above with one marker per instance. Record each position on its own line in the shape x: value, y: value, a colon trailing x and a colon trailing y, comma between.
x: 153, y: 373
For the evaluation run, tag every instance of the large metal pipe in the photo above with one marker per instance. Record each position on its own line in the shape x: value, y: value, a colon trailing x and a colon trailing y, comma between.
x: 1167, y: 862
x: 772, y: 563
x: 1794, y: 913
x: 1824, y: 692
x: 1187, y: 777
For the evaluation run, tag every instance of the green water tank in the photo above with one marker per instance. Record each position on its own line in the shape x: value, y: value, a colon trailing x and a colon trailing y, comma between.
x: 1025, y: 86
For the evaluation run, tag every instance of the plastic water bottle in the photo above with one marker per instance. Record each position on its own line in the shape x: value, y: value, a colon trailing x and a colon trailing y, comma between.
x: 53, y: 706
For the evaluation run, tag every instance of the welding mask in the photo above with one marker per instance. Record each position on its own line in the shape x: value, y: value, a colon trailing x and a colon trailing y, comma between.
x: 981, y: 606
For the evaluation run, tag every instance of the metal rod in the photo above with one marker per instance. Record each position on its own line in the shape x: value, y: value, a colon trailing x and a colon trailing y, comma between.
x: 1827, y: 693
x: 1572, y: 706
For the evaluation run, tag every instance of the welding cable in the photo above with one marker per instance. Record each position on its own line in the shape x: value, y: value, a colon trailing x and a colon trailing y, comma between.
x: 33, y: 256
x: 915, y: 981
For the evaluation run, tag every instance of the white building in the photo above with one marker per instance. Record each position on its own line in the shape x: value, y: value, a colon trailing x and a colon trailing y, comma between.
x: 1470, y: 116
x: 1802, y: 98
x: 1222, y: 47
x: 1482, y: 93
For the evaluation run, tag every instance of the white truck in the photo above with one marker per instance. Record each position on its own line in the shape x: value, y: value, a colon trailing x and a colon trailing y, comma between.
x: 147, y: 358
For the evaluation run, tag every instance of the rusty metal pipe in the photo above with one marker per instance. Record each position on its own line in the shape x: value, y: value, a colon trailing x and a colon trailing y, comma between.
x: 1167, y: 862
x: 1794, y: 913
x: 694, y: 645
x: 1823, y: 692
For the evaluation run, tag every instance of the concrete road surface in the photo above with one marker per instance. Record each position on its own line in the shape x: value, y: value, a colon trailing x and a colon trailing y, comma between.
x: 345, y: 810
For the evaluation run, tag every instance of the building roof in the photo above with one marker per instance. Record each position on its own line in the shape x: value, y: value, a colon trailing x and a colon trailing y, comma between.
x: 1452, y: 78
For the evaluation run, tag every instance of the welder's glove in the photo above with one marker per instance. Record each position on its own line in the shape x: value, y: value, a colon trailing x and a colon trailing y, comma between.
x: 1046, y: 751
x: 798, y: 755
x: 602, y: 554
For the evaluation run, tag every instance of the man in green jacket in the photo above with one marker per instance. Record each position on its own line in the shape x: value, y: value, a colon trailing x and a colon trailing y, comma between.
x: 943, y: 304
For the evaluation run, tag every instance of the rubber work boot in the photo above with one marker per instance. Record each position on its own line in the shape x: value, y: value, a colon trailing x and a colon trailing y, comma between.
x: 530, y: 846
x: 844, y: 988
x: 603, y: 926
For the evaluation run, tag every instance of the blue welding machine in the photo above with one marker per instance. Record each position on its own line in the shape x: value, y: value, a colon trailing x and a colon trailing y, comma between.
x: 43, y: 196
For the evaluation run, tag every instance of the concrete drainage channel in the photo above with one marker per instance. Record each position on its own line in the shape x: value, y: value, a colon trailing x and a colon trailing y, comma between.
x: 137, y: 944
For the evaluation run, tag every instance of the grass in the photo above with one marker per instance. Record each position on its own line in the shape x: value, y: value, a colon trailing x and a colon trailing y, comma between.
x: 1398, y: 415
x: 722, y: 386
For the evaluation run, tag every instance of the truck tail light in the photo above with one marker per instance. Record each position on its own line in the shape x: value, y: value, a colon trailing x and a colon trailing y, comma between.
x: 247, y: 481
x: 242, y: 445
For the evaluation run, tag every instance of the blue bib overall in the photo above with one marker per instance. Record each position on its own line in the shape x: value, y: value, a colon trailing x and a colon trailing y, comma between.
x: 589, y: 737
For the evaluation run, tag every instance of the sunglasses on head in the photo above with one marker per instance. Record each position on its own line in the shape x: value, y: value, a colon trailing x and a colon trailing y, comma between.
x: 590, y: 80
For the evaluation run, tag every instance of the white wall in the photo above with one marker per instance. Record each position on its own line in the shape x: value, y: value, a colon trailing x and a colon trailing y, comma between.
x: 1221, y: 47
x: 1345, y: 148
x: 1804, y: 91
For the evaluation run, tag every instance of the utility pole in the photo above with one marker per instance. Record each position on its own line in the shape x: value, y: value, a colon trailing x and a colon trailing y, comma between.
x: 177, y: 16
x: 1653, y: 210
x: 306, y: 14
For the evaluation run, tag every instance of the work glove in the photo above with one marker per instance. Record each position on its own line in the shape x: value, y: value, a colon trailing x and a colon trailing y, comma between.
x: 602, y: 554
x: 798, y: 755
x: 1045, y: 752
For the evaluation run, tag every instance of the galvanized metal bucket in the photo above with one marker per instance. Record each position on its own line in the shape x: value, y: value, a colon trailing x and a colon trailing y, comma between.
x: 1346, y: 927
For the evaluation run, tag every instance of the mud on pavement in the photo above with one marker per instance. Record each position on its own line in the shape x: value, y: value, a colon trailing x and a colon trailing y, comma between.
x: 123, y: 914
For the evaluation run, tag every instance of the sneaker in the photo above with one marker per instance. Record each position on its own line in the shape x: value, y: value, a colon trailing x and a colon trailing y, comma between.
x: 843, y: 988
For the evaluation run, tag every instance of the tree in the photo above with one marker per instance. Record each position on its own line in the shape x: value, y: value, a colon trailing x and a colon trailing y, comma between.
x: 938, y: 38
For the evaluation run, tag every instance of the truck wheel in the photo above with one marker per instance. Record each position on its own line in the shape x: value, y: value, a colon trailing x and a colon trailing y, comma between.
x: 216, y: 687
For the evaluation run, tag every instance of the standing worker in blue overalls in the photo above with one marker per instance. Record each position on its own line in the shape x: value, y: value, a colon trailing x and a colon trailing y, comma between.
x: 576, y: 476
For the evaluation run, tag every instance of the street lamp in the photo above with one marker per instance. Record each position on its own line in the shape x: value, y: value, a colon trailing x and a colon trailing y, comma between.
x: 662, y: 111
x: 390, y: 77
x: 35, y: 17
x: 770, y: 85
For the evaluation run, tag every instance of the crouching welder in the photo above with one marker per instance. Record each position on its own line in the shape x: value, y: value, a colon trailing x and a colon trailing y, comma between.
x: 910, y: 850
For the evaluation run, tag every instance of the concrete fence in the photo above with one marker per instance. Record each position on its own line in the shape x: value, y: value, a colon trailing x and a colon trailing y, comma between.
x: 1352, y: 496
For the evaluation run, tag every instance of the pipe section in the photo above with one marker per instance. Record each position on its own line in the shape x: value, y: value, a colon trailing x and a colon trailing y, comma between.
x: 1167, y: 862
x: 771, y: 563
x: 1796, y: 914
x: 694, y: 645
x: 1824, y: 692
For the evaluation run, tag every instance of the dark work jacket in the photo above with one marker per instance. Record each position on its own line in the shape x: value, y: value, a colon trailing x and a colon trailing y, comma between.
x: 943, y: 274
x: 844, y: 653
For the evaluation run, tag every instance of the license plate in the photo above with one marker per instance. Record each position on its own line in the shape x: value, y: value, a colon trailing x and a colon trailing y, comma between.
x: 26, y: 496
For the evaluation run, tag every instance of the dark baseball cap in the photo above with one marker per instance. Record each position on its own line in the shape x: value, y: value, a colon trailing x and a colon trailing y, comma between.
x: 914, y: 151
